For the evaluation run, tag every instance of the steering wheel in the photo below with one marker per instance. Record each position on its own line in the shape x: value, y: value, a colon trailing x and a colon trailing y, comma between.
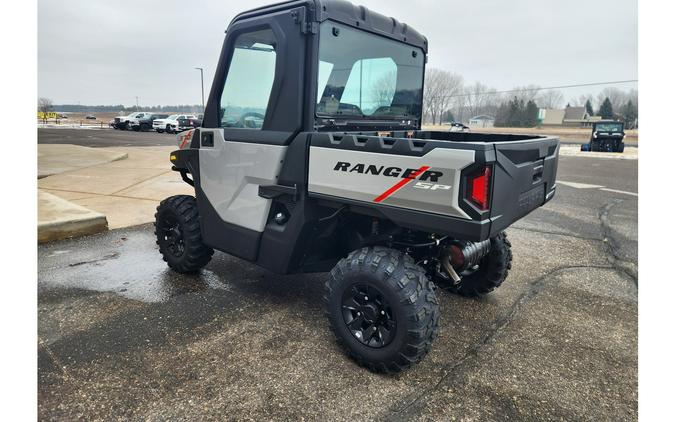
x: 245, y: 122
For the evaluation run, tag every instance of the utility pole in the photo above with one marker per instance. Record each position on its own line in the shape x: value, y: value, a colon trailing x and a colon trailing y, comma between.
x: 201, y: 72
x: 137, y: 103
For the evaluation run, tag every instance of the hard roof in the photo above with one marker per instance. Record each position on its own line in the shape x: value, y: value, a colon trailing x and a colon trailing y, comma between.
x: 346, y: 13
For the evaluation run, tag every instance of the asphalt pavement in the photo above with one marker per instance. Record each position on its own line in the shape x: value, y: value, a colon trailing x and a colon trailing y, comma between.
x: 123, y: 337
x: 105, y: 138
x: 128, y: 138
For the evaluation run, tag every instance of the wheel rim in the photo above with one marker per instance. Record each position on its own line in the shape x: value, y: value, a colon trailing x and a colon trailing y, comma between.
x: 368, y: 315
x: 172, y: 236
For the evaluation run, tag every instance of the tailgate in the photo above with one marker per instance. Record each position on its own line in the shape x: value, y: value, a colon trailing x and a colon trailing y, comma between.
x: 524, y: 179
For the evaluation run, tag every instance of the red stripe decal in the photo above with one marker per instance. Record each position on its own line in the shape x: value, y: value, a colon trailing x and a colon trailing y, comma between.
x: 400, y: 184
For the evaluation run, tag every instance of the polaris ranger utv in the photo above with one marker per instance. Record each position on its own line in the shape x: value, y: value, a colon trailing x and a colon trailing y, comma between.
x: 311, y: 158
x: 606, y: 136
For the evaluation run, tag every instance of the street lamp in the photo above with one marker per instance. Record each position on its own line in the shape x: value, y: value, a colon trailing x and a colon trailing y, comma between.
x: 201, y: 72
x: 137, y: 103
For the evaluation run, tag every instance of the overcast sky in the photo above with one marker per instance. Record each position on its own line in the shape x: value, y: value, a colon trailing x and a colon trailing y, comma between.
x: 108, y: 52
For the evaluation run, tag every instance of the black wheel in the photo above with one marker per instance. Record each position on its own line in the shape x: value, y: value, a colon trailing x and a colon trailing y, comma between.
x: 621, y: 147
x: 382, y: 309
x: 179, y: 236
x: 136, y: 128
x: 491, y: 272
x: 168, y: 129
x: 160, y: 130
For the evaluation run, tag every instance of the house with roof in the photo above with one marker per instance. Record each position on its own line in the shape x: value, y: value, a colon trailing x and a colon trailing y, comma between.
x: 570, y: 116
x: 481, y: 121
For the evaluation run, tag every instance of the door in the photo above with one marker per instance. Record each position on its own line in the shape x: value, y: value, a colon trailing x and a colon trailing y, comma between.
x: 245, y: 146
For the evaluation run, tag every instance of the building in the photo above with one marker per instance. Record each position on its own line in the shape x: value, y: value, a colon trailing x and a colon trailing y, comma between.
x: 481, y: 121
x: 570, y: 116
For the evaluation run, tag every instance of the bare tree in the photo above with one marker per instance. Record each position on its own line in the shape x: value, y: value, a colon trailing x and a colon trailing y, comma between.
x: 480, y: 99
x: 44, y: 106
x: 581, y: 100
x: 550, y: 99
x: 440, y: 86
x: 525, y: 93
x: 617, y: 97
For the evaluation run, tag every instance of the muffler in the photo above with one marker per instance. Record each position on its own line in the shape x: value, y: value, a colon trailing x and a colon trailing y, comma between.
x: 461, y: 255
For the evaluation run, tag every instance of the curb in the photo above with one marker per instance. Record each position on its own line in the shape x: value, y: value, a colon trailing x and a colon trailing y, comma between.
x: 78, y: 220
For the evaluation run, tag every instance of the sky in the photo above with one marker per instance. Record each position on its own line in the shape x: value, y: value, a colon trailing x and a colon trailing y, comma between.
x: 108, y: 52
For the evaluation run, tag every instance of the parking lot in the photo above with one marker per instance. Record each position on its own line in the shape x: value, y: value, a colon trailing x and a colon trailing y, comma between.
x: 122, y: 337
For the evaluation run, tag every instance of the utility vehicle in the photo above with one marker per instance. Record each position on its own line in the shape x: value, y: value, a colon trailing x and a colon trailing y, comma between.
x: 311, y: 158
x: 606, y: 136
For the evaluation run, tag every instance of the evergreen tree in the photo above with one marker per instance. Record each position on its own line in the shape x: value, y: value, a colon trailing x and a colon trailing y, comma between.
x: 502, y: 115
x: 589, y: 108
x: 606, y: 111
x: 531, y: 114
x: 514, y: 113
x: 630, y: 114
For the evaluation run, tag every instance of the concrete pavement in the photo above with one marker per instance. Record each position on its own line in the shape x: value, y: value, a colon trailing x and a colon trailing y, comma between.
x: 126, y: 191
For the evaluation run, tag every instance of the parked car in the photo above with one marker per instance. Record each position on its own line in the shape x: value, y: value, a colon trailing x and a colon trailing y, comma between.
x: 122, y: 122
x: 90, y: 117
x: 189, y: 123
x: 459, y: 127
x: 145, y: 122
x: 171, y: 124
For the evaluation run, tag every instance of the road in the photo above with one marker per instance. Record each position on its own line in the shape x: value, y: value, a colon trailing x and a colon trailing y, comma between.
x: 123, y: 337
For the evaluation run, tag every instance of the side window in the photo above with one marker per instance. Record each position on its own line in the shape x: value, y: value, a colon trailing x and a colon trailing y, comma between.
x: 248, y: 84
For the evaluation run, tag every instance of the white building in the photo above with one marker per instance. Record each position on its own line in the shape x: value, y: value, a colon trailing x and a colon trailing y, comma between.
x: 481, y: 121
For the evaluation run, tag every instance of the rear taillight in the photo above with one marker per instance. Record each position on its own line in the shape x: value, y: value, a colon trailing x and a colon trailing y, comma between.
x: 478, y: 187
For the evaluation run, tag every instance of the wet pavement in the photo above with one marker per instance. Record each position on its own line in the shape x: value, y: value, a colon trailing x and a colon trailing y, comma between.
x: 123, y: 337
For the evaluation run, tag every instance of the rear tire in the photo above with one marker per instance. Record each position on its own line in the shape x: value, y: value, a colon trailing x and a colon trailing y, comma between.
x: 160, y: 130
x: 382, y: 309
x: 621, y: 147
x: 491, y: 273
x: 179, y: 235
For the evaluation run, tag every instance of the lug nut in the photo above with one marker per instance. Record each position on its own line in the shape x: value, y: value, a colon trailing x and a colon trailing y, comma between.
x: 366, y: 297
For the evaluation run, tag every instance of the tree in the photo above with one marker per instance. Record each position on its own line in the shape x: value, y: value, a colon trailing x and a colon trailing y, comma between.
x: 589, y: 107
x: 480, y: 99
x: 530, y: 114
x: 606, y: 111
x: 630, y: 114
x: 439, y: 87
x: 44, y: 107
x: 448, y: 116
x: 617, y: 97
x: 550, y: 99
x: 526, y: 93
x: 502, y: 115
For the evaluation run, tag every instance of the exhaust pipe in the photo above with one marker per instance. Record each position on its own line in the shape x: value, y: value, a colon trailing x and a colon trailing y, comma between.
x: 462, y: 255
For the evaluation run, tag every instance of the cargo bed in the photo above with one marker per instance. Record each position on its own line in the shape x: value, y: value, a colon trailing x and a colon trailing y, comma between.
x: 376, y: 173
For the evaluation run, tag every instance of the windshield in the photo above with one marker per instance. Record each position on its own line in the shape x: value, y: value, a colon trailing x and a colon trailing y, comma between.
x: 609, y: 127
x: 364, y: 75
x: 172, y: 117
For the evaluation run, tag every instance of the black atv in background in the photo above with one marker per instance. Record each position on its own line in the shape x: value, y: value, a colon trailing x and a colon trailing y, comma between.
x: 607, y: 136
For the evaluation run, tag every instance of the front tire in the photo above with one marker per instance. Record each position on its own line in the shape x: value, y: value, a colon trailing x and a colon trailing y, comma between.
x: 168, y: 129
x: 179, y: 236
x: 382, y: 309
